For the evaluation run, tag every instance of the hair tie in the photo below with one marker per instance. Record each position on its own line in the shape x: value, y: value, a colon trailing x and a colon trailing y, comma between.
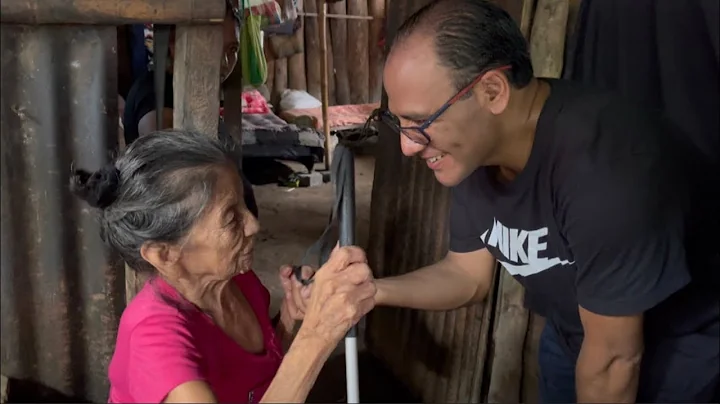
x: 103, y: 186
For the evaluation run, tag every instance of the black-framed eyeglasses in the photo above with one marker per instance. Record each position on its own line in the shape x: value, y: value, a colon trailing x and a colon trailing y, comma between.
x: 417, y: 134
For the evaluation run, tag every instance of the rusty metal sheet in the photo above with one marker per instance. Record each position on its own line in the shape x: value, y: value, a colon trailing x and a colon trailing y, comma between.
x: 439, y: 355
x: 104, y: 12
x: 62, y: 292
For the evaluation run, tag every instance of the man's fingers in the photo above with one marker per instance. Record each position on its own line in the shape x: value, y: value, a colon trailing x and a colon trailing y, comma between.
x: 341, y: 257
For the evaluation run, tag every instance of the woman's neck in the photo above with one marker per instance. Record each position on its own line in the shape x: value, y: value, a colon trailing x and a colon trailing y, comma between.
x: 207, y: 295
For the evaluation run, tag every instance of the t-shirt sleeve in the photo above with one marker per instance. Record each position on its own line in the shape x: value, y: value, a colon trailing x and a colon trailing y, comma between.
x: 463, y: 236
x: 624, y: 220
x: 163, y: 356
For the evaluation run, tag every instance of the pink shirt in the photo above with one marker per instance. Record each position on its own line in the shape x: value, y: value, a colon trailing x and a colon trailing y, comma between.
x: 164, y: 341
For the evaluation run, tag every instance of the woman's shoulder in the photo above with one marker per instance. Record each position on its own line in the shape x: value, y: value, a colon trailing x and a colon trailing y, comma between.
x: 149, y: 309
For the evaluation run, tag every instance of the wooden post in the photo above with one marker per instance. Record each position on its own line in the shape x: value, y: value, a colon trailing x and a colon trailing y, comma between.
x: 547, y: 41
x: 376, y: 8
x: 358, y: 52
x: 312, y: 50
x: 232, y: 90
x: 322, y: 7
x: 296, y: 63
x: 339, y: 40
x: 196, y: 81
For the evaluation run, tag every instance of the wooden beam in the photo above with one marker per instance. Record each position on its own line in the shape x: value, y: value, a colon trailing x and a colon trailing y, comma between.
x: 338, y: 16
x: 322, y: 6
x: 108, y: 12
x: 196, y: 78
x: 547, y: 39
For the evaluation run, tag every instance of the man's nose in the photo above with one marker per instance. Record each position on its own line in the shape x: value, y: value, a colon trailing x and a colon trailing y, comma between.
x: 408, y: 147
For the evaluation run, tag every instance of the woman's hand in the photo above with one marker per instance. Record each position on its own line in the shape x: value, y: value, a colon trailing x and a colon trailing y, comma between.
x: 342, y: 293
x: 294, y: 301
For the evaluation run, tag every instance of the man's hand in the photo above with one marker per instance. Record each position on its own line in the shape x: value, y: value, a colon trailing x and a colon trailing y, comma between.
x: 608, y: 367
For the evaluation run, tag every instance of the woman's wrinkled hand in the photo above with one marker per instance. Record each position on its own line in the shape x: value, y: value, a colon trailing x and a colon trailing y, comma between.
x: 342, y: 293
x: 295, y: 299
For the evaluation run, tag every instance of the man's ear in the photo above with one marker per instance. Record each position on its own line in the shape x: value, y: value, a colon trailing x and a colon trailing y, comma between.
x: 162, y: 256
x: 494, y: 91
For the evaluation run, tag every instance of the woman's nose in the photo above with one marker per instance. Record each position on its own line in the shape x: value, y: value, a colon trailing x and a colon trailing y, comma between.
x: 408, y: 147
x: 252, y: 225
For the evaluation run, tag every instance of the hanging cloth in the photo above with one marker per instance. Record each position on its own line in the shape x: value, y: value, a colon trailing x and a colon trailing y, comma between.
x: 252, y: 56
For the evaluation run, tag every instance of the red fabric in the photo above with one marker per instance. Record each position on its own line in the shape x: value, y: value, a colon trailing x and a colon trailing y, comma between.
x: 164, y: 341
x: 253, y: 103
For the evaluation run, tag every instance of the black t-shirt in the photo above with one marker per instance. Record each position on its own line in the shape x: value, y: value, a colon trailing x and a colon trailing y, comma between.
x: 613, y: 212
x: 141, y: 101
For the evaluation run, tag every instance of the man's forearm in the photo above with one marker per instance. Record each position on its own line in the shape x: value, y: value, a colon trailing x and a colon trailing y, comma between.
x: 435, y: 287
x: 298, y: 371
x: 606, y: 379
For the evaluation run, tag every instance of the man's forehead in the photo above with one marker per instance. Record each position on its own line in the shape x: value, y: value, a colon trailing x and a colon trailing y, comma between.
x: 415, y: 83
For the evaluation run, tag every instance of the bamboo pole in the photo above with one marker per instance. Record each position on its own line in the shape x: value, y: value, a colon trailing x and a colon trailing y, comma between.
x: 322, y: 8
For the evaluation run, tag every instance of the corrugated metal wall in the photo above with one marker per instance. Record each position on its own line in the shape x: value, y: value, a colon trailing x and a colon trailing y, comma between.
x: 62, y: 293
x: 439, y: 355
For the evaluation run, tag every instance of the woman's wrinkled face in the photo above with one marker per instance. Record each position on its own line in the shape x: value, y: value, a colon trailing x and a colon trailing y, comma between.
x: 221, y: 243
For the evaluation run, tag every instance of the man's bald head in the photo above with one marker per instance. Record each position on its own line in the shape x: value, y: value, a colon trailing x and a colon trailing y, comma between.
x: 469, y: 37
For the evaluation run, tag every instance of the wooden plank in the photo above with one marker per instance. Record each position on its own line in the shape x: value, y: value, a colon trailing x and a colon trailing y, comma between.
x: 324, y: 73
x: 547, y: 40
x: 531, y: 367
x: 312, y: 51
x: 196, y: 78
x: 339, y: 41
x: 3, y: 389
x: 332, y: 97
x: 103, y: 12
x: 357, y: 48
x: 296, y: 63
x: 376, y: 9
x: 508, y: 342
x: 280, y: 79
x: 232, y: 103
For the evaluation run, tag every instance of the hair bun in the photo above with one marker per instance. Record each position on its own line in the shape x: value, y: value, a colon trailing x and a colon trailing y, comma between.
x: 99, y: 189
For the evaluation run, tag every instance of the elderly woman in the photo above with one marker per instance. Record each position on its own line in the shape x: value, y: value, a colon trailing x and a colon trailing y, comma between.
x: 199, y: 331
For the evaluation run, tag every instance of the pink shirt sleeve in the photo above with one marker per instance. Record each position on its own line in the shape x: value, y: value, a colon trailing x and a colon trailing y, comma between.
x: 163, y: 356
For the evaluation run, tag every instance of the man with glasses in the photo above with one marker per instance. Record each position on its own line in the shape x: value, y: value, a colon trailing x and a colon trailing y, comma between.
x: 590, y: 202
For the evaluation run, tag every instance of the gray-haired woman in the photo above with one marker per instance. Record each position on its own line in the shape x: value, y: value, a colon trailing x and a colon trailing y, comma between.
x: 199, y: 331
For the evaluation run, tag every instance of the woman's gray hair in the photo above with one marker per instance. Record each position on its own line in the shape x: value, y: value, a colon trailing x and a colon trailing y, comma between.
x: 154, y: 191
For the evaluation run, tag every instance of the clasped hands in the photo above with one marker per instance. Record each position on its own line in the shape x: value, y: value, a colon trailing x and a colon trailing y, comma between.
x: 342, y: 292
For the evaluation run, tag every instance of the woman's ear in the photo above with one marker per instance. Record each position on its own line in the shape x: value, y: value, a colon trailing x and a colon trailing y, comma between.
x: 162, y: 256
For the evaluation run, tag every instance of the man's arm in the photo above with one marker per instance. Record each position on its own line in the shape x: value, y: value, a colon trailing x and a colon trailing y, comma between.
x: 457, y: 280
x: 608, y: 367
x: 623, y: 213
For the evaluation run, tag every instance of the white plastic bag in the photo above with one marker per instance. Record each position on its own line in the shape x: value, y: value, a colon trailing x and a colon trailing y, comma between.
x: 298, y: 99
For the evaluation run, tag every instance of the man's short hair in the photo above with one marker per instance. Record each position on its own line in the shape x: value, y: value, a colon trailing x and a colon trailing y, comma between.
x: 472, y: 36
